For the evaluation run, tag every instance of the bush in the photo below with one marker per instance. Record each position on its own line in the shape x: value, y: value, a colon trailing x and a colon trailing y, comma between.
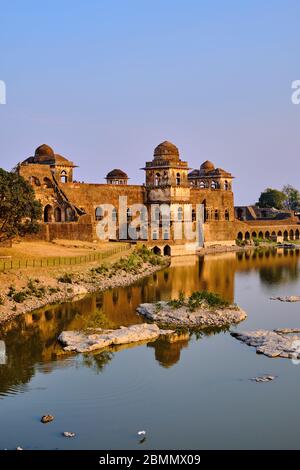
x: 66, y: 278
x: 203, y: 297
x: 102, y: 269
x: 19, y: 297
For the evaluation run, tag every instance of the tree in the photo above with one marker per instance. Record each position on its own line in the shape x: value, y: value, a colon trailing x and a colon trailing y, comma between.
x: 272, y: 198
x: 292, y: 197
x: 19, y: 210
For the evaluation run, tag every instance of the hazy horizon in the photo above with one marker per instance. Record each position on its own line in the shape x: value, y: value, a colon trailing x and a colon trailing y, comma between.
x: 104, y: 82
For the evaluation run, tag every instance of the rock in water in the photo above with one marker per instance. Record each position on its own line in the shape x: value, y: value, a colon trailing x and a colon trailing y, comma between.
x: 163, y: 313
x: 282, y: 342
x: 69, y: 434
x: 47, y: 419
x: 86, y: 341
x: 264, y: 378
x: 291, y: 298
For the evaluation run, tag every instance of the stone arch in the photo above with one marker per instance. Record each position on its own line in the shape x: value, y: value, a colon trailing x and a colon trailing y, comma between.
x: 297, y: 234
x: 285, y: 235
x: 48, y: 183
x: 167, y: 250
x: 274, y: 236
x: 254, y: 235
x: 247, y: 236
x: 64, y: 176
x: 156, y: 250
x: 202, y: 185
x: 214, y: 185
x: 260, y: 235
x: 279, y: 234
x: 291, y: 234
x: 240, y: 236
x: 48, y: 213
x: 70, y: 214
x: 57, y: 214
x: 157, y: 179
x: 267, y: 234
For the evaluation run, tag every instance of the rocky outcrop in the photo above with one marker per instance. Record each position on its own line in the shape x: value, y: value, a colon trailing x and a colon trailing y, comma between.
x: 164, y: 314
x: 291, y: 298
x: 90, y: 340
x: 282, y: 342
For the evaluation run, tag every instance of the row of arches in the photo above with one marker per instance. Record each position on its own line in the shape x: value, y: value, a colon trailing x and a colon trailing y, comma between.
x: 270, y: 235
x: 166, y: 250
x: 58, y: 214
x: 207, y: 184
x: 46, y: 182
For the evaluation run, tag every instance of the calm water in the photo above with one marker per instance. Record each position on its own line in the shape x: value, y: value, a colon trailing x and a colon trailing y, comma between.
x: 187, y: 395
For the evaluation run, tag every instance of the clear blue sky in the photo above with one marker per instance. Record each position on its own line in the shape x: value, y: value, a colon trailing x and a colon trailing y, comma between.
x: 104, y: 81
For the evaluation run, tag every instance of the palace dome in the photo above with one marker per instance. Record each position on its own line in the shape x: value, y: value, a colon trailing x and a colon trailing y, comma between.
x: 207, y: 166
x: 43, y: 153
x: 116, y: 174
x: 166, y: 150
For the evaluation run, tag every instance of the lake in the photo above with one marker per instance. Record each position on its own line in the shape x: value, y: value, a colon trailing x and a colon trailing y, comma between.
x: 192, y: 394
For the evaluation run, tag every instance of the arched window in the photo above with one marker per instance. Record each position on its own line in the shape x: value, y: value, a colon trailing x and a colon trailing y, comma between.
x: 180, y: 213
x: 202, y: 185
x: 48, y: 213
x: 70, y: 215
x: 99, y: 213
x: 178, y: 179
x: 156, y: 214
x: 247, y: 236
x: 226, y: 185
x: 166, y: 234
x: 155, y: 236
x: 157, y: 179
x: 214, y: 185
x: 57, y: 214
x: 64, y: 177
x: 48, y: 183
x: 226, y: 214
x: 240, y: 236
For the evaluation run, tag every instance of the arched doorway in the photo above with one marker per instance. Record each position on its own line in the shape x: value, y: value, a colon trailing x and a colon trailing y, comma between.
x: 291, y: 234
x: 167, y: 250
x: 254, y: 235
x: 57, y: 214
x: 260, y: 235
x: 247, y: 236
x: 297, y: 235
x: 285, y: 235
x: 156, y: 250
x: 240, y: 236
x: 48, y: 213
x: 267, y: 235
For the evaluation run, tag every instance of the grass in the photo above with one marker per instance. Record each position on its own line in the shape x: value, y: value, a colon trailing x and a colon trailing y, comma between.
x: 132, y: 263
x: 199, y: 299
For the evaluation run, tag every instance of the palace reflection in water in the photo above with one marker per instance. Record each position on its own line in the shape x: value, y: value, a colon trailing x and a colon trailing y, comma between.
x: 32, y: 338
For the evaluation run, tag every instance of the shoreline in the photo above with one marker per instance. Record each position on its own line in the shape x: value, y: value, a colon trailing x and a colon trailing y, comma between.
x: 81, y: 287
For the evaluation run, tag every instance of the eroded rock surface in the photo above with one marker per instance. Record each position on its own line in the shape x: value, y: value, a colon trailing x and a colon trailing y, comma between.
x: 86, y: 341
x: 291, y: 298
x: 163, y: 313
x: 282, y: 342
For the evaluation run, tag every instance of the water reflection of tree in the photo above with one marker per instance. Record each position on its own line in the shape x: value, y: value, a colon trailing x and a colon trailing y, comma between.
x: 97, y: 362
x: 278, y: 274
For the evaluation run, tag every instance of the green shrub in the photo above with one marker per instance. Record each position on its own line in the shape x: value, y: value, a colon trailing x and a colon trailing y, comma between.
x: 177, y: 303
x: 203, y: 297
x: 102, y: 269
x: 66, y: 278
x: 19, y: 297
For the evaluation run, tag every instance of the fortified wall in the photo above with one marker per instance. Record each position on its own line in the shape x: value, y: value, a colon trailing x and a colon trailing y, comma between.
x: 72, y: 210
